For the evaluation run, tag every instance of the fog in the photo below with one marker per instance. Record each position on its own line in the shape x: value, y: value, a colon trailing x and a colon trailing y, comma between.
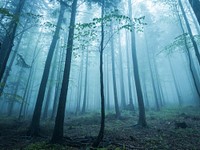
x: 62, y: 59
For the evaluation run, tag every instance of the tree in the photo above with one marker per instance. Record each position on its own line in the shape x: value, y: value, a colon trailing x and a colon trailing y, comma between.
x: 8, y: 40
x: 190, y: 32
x: 188, y: 54
x: 129, y: 73
x: 117, y: 111
x: 123, y: 97
x: 35, y: 122
x: 58, y: 128
x: 195, y: 4
x: 101, y: 131
x: 142, y: 117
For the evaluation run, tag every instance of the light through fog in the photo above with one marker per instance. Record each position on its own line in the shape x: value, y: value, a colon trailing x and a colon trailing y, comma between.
x: 91, y: 74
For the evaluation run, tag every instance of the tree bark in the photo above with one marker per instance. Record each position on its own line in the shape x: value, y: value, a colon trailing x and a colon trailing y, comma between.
x: 86, y: 79
x: 190, y: 33
x: 58, y: 128
x: 195, y: 4
x: 8, y: 41
x: 191, y: 63
x: 123, y: 98
x: 35, y: 123
x: 129, y: 73
x: 117, y: 111
x: 142, y: 116
x: 101, y: 131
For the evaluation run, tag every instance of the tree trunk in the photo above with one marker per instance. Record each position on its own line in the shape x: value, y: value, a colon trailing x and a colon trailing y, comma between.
x: 108, y: 83
x: 58, y: 84
x: 191, y: 63
x: 27, y: 87
x: 50, y: 89
x: 7, y: 71
x: 190, y: 33
x: 86, y: 79
x: 152, y: 77
x: 117, y: 111
x: 123, y: 99
x: 195, y: 4
x: 175, y: 83
x: 58, y: 128
x: 101, y: 131
x: 8, y: 41
x: 79, y: 91
x: 142, y: 116
x: 34, y: 126
x: 129, y: 73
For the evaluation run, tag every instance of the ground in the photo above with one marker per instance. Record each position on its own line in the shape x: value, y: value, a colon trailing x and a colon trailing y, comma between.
x: 163, y: 132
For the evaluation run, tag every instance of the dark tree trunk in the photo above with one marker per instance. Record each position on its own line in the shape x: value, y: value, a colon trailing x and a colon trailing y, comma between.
x: 101, y: 131
x: 7, y: 71
x: 8, y: 41
x: 58, y: 128
x: 58, y: 84
x: 195, y: 4
x: 191, y: 63
x: 35, y: 123
x: 190, y: 32
x: 27, y: 87
x: 197, y: 26
x: 142, y: 116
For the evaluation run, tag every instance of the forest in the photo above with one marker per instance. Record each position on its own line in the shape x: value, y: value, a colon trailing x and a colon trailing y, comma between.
x: 99, y: 74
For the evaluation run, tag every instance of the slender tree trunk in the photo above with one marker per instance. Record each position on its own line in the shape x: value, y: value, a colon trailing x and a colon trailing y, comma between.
x: 86, y: 79
x: 129, y: 73
x: 8, y: 41
x: 191, y: 63
x: 146, y: 100
x: 35, y: 123
x: 195, y: 4
x: 175, y: 83
x: 142, y: 116
x: 7, y: 71
x: 197, y: 26
x: 50, y: 89
x: 101, y: 131
x: 58, y: 128
x: 108, y: 83
x: 27, y: 87
x: 123, y: 98
x: 79, y: 91
x: 152, y: 77
x: 58, y: 84
x: 117, y: 111
x: 190, y: 33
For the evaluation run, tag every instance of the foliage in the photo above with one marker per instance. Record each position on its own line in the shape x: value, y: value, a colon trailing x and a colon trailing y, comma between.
x: 179, y: 44
x: 13, y: 97
x: 86, y: 33
x: 7, y: 13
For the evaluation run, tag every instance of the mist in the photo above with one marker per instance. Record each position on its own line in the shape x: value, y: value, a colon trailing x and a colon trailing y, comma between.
x: 89, y: 74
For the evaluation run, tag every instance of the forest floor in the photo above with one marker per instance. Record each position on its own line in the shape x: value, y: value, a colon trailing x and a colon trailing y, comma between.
x: 168, y: 129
